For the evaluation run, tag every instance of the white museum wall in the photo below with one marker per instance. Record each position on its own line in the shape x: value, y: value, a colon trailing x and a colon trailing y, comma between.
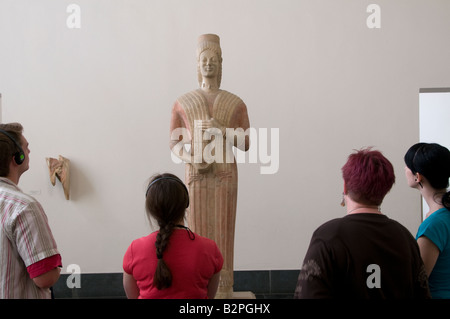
x: 101, y: 95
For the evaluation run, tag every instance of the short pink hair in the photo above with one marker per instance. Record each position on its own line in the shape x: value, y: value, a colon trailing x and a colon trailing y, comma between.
x: 368, y: 176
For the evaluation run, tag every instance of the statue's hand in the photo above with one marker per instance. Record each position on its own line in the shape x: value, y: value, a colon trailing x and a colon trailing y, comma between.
x: 202, y: 168
x: 211, y: 123
x: 215, y: 123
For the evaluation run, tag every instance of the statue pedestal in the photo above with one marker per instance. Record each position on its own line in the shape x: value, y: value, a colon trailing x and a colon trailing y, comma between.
x: 243, y: 295
x: 236, y: 295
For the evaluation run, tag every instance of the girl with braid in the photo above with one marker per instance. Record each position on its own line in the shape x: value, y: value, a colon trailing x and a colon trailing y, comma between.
x: 173, y: 262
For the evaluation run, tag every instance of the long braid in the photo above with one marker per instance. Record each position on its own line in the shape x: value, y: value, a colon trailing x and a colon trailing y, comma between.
x: 166, y: 201
x: 163, y: 276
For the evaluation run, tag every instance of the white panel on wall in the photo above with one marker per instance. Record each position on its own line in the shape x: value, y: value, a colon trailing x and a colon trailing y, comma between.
x: 434, y: 113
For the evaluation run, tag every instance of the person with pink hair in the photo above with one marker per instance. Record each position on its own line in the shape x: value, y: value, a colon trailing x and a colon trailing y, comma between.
x: 364, y: 255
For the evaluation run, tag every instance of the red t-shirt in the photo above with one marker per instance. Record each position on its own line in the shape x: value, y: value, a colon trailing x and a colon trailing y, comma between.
x: 191, y: 262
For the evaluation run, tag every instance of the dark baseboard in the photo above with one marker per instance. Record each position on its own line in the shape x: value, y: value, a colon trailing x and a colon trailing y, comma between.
x: 265, y: 284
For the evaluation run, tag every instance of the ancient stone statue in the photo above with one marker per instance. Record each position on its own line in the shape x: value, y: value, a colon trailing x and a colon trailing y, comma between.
x: 59, y: 168
x: 212, y: 121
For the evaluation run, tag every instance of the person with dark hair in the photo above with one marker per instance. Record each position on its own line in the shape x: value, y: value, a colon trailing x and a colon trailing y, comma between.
x: 365, y: 254
x: 29, y: 257
x: 428, y: 170
x: 174, y: 262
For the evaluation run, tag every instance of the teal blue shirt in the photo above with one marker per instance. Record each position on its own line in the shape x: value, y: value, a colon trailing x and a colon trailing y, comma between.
x: 437, y: 229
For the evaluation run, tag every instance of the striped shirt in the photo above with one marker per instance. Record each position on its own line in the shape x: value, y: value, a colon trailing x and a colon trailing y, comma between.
x: 25, y: 239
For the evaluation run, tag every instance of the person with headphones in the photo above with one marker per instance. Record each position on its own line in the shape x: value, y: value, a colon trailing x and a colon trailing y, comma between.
x: 174, y: 262
x: 29, y: 257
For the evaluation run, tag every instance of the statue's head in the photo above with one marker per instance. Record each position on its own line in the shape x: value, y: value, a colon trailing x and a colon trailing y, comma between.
x: 208, y: 48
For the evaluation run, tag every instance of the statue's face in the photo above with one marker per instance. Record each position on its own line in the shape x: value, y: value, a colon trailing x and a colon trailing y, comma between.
x: 209, y: 64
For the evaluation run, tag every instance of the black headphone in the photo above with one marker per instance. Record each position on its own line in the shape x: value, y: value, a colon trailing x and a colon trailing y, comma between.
x: 171, y: 178
x: 19, y: 156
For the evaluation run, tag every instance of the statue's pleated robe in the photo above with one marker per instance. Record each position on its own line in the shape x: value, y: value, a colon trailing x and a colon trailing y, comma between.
x: 213, y: 194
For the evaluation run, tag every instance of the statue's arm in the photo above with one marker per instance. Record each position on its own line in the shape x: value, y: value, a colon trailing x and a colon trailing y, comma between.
x: 242, y: 138
x: 179, y: 134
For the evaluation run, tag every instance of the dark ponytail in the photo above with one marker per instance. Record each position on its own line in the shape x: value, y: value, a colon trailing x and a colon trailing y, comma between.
x: 446, y: 200
x: 166, y: 201
x: 163, y: 277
